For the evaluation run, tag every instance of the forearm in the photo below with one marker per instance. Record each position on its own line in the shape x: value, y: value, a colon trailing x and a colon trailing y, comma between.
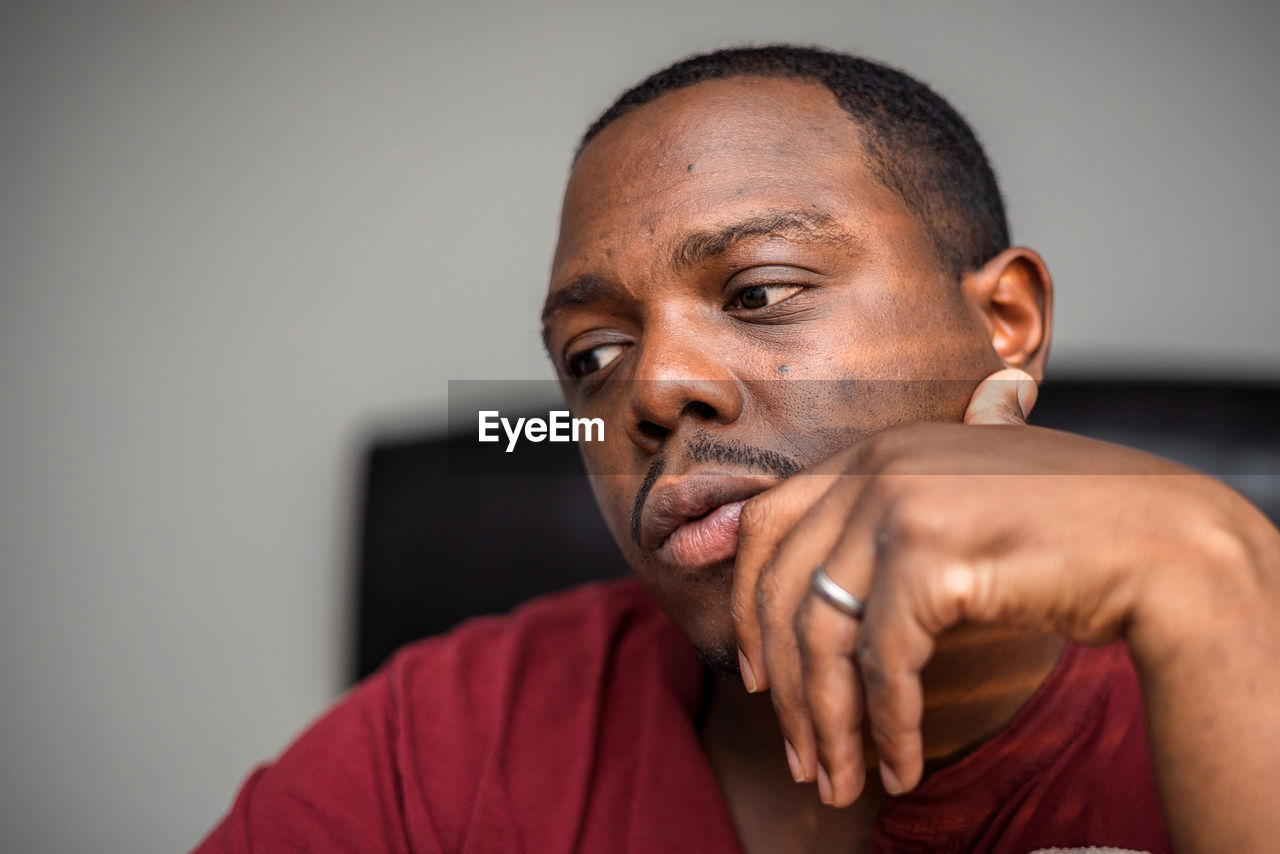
x: 1206, y: 641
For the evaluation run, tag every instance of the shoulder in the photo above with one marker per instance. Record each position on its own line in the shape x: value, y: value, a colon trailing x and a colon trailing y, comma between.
x: 409, y: 755
x: 504, y: 680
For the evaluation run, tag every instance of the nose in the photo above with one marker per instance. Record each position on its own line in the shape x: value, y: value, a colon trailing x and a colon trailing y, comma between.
x: 680, y: 378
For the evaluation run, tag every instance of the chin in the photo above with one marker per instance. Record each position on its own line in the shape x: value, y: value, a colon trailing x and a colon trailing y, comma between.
x: 721, y: 659
x: 699, y: 603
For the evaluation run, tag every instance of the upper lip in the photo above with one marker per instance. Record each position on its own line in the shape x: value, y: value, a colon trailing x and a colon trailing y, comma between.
x: 678, y: 498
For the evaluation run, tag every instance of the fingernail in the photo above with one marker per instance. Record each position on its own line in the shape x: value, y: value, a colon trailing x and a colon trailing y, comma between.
x: 825, y: 789
x: 793, y: 760
x: 748, y: 676
x: 892, y: 784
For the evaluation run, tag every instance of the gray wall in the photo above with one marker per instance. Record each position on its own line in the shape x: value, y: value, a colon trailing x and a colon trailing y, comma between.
x: 234, y: 238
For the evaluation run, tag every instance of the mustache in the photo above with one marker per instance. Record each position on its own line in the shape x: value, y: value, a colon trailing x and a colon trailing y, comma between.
x: 704, y: 449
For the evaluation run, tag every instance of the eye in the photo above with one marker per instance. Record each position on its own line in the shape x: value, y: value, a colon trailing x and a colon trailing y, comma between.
x: 762, y: 296
x: 594, y: 359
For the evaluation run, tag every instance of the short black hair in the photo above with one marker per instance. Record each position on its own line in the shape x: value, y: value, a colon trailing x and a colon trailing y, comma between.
x: 916, y: 143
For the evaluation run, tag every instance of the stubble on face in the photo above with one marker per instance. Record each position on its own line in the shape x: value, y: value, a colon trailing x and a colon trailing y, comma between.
x: 704, y: 448
x: 878, y: 313
x: 720, y: 658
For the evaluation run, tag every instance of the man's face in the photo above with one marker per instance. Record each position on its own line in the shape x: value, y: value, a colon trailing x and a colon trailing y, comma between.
x: 738, y: 297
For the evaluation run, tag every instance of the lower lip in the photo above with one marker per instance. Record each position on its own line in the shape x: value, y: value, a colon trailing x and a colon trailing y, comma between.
x: 705, y: 541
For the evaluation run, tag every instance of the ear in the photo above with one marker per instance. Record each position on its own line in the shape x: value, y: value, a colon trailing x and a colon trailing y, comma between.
x: 1013, y: 296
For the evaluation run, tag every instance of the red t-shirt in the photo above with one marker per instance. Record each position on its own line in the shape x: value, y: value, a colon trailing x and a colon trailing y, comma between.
x: 569, y: 726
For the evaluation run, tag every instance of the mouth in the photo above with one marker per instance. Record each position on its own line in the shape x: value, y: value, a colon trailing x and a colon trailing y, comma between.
x: 691, y: 520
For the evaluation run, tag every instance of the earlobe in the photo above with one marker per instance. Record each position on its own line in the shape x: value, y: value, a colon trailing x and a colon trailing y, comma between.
x: 1013, y: 294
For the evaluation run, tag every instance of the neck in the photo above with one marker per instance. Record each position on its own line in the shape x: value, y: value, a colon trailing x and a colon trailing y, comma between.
x: 976, y: 682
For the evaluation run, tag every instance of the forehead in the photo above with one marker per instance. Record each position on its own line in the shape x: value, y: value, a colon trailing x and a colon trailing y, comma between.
x: 712, y: 154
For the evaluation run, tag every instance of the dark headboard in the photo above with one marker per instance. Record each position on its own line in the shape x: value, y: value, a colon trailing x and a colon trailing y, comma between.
x: 437, y: 546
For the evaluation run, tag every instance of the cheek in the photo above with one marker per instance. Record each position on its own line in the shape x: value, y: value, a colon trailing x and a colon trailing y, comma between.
x: 915, y: 331
x: 902, y: 371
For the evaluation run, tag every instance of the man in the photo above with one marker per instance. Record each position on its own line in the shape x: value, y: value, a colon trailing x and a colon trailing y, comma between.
x: 782, y: 277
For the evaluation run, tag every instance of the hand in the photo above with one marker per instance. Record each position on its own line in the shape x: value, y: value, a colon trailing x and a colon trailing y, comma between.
x: 935, y: 525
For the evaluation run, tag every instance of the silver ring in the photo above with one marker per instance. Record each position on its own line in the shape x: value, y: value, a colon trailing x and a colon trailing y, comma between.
x: 835, y: 595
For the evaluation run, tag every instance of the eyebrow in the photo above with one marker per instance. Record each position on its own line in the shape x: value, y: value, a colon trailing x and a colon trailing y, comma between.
x: 581, y: 290
x: 701, y: 246
x: 810, y: 226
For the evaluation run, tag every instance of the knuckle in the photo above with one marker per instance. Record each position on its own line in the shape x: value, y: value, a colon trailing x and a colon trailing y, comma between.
x: 805, y: 627
x: 884, y: 451
x: 834, y: 715
x: 871, y: 666
x: 768, y: 590
x: 885, y: 731
x: 877, y: 451
x: 772, y: 600
x: 839, y: 751
x: 833, y: 746
x: 902, y: 463
x: 917, y: 518
x: 957, y: 592
x: 793, y: 716
x: 756, y: 515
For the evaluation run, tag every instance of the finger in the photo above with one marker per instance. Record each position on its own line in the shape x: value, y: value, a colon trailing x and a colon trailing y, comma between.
x: 764, y: 523
x: 907, y: 608
x: 827, y: 638
x: 1005, y: 397
x: 890, y: 661
x: 782, y: 587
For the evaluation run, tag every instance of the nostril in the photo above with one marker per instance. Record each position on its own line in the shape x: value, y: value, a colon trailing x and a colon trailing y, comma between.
x: 653, y: 431
x: 701, y: 409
